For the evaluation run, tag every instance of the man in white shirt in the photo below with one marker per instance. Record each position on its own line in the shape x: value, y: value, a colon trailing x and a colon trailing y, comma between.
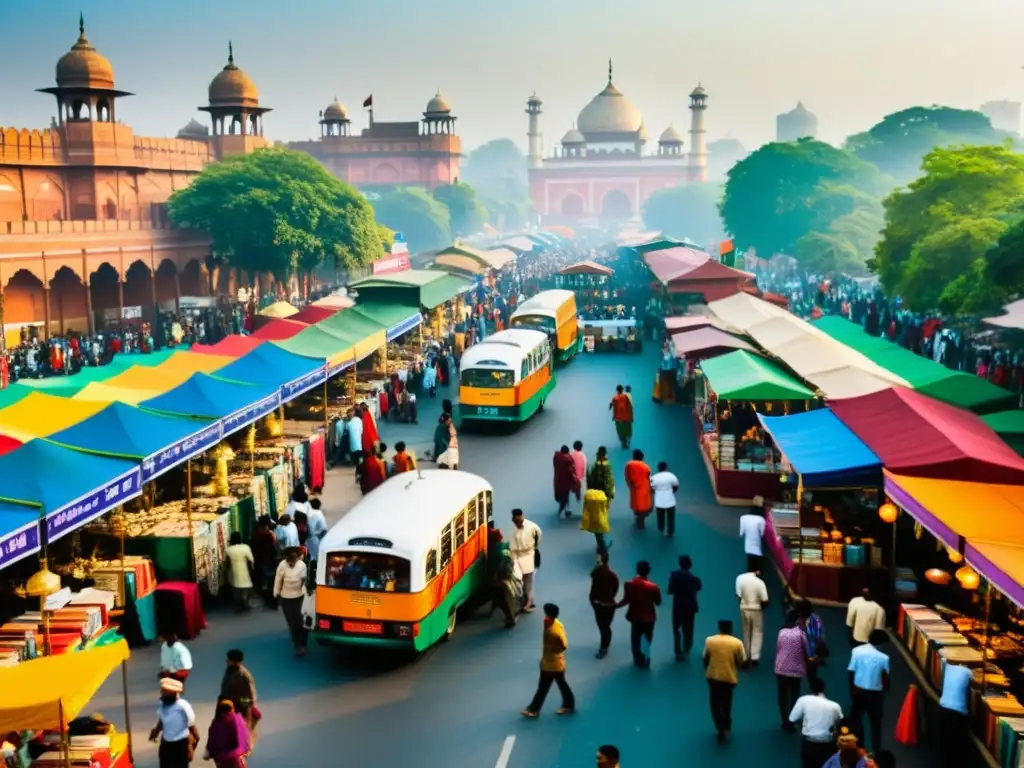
x: 354, y: 428
x: 240, y: 565
x: 665, y: 485
x: 287, y: 534
x: 818, y: 717
x: 175, y: 726
x: 175, y: 659
x: 524, y: 547
x: 753, y: 596
x: 864, y: 615
x: 316, y: 529
x: 752, y: 533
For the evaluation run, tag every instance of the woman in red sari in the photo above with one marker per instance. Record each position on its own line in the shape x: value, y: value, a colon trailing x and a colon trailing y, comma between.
x: 566, y: 481
x: 370, y: 435
x: 638, y: 480
x: 374, y: 470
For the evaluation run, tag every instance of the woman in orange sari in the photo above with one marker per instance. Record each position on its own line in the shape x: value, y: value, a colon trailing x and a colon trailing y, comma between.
x: 374, y: 470
x: 638, y: 479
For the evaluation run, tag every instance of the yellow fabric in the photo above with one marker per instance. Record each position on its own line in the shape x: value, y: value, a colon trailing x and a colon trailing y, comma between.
x: 193, y: 362
x: 595, y: 512
x: 33, y: 693
x: 1008, y: 558
x: 973, y: 510
x: 461, y: 263
x: 41, y: 415
x: 554, y: 646
x: 279, y: 309
x: 105, y: 393
x: 370, y: 344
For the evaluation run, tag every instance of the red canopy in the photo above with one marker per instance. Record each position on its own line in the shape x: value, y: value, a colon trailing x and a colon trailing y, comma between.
x: 915, y: 435
x: 314, y: 314
x: 230, y: 346
x: 707, y: 342
x: 773, y: 298
x: 8, y: 444
x: 279, y: 330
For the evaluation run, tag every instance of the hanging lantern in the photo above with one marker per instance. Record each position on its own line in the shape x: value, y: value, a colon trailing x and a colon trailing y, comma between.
x: 783, y: 478
x: 918, y: 531
x: 938, y: 576
x: 954, y: 556
x: 968, y: 577
x: 888, y: 512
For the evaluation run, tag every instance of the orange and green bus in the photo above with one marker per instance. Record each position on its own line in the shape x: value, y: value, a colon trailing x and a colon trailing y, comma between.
x: 395, y: 570
x: 553, y: 312
x: 506, y: 377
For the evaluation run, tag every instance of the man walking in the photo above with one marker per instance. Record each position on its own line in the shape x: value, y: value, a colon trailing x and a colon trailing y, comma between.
x: 817, y: 717
x: 753, y: 596
x: 604, y: 590
x: 175, y: 659
x: 621, y: 407
x: 683, y: 586
x: 239, y: 687
x: 790, y: 667
x: 723, y: 655
x: 864, y: 616
x: 954, y: 714
x: 752, y: 527
x: 665, y: 485
x: 642, y: 596
x: 552, y: 666
x: 175, y: 727
x: 579, y: 460
x: 525, y: 548
x: 869, y: 681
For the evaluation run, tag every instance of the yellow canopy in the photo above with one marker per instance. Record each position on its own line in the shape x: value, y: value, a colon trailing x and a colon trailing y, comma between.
x: 144, y: 377
x: 193, y: 362
x: 105, y: 393
x: 40, y: 415
x: 279, y: 309
x: 34, y: 694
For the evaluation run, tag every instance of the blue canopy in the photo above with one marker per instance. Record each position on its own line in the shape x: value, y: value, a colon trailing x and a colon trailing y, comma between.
x: 271, y: 365
x: 123, y: 431
x: 71, y: 488
x: 19, y: 532
x: 203, y: 396
x: 823, y: 450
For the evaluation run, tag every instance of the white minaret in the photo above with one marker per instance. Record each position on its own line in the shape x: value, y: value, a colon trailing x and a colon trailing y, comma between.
x: 697, y: 163
x: 535, y: 157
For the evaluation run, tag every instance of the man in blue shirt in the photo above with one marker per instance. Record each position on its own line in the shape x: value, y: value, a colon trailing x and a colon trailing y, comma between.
x: 954, y: 733
x: 869, y: 681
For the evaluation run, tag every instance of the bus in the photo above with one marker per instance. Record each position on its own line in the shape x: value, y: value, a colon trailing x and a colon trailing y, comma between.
x: 394, y: 571
x: 553, y: 312
x: 506, y: 377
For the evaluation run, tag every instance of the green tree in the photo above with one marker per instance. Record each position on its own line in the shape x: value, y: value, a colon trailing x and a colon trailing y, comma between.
x: 464, y: 207
x: 983, y: 185
x: 278, y: 211
x: 423, y: 221
x: 497, y: 170
x: 828, y: 254
x: 688, y: 212
x: 784, y: 191
x: 899, y: 143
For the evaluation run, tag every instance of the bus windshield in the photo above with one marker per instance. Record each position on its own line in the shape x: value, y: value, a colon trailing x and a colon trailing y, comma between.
x: 488, y: 378
x: 368, y: 571
x: 536, y: 322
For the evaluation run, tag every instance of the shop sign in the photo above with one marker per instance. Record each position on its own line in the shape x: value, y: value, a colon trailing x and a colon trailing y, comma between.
x: 338, y: 367
x: 247, y: 415
x: 296, y: 387
x: 92, y: 505
x: 19, y: 544
x: 397, y: 263
x: 183, y: 450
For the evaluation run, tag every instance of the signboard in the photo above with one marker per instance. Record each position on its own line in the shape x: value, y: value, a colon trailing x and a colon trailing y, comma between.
x: 125, y: 313
x: 19, y: 544
x: 71, y: 516
x: 296, y: 387
x: 404, y: 327
x: 159, y: 463
x: 389, y: 264
x: 247, y: 416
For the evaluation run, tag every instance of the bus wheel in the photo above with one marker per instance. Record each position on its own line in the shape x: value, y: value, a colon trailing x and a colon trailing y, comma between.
x: 450, y: 629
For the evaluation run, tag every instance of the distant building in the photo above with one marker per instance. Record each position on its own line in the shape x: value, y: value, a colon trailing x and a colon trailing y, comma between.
x: 600, y: 171
x: 1005, y: 115
x: 798, y: 123
x: 421, y: 152
x: 723, y: 154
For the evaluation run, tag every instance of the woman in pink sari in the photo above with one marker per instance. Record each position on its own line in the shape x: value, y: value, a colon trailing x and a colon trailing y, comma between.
x: 227, y: 742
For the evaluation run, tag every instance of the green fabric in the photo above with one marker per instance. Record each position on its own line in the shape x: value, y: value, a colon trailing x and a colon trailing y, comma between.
x: 388, y: 315
x: 351, y: 324
x: 1006, y: 422
x: 69, y: 386
x: 444, y: 289
x: 427, y: 287
x: 926, y: 376
x: 653, y: 245
x: 13, y: 394
x: 315, y: 342
x: 742, y: 376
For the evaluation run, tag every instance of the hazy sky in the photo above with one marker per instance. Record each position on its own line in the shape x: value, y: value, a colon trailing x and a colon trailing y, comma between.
x: 849, y: 62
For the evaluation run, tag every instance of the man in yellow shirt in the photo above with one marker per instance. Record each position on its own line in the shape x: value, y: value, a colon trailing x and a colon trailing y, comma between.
x: 723, y: 656
x: 552, y: 666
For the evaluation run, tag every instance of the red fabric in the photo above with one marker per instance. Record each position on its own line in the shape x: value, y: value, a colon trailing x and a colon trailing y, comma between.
x: 906, y: 725
x: 566, y: 481
x: 382, y: 401
x: 317, y: 464
x: 642, y: 597
x: 8, y: 444
x: 915, y: 435
x: 279, y: 330
x: 179, y: 607
x: 370, y: 436
x: 374, y: 473
x: 230, y: 346
x: 314, y: 314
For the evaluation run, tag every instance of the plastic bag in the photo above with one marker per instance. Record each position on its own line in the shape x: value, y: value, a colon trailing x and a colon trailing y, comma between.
x: 308, y: 610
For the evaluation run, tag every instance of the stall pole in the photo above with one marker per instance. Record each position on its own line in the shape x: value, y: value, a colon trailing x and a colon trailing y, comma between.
x: 419, y: 340
x: 47, y: 646
x: 65, y: 743
x: 124, y: 576
x: 188, y: 510
x: 352, y: 381
x: 984, y: 644
x: 127, y: 710
x: 801, y: 576
x: 892, y: 553
x: 325, y: 405
x: 384, y: 358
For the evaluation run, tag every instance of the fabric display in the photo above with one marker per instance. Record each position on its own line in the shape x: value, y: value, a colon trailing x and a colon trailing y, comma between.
x: 260, y: 495
x: 179, y: 607
x: 316, y: 477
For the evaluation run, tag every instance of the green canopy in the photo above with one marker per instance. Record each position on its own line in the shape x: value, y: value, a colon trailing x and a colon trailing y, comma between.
x: 959, y: 388
x: 69, y: 386
x: 319, y: 343
x: 351, y: 324
x: 743, y: 376
x: 1006, y: 422
x: 415, y: 287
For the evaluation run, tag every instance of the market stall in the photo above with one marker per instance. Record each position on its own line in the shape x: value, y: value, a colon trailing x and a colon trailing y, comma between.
x: 684, y: 271
x: 278, y: 310
x: 740, y: 457
x: 279, y: 330
x: 611, y: 336
x: 230, y: 346
x: 824, y: 535
x: 415, y: 288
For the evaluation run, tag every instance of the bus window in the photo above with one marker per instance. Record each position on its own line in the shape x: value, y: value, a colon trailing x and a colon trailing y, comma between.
x: 525, y: 371
x: 369, y: 571
x: 481, y: 511
x: 488, y: 378
x: 489, y: 501
x: 446, y: 546
x: 431, y: 564
x: 472, y: 523
x: 460, y: 529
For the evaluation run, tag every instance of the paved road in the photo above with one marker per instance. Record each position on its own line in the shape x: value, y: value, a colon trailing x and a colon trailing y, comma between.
x: 457, y: 706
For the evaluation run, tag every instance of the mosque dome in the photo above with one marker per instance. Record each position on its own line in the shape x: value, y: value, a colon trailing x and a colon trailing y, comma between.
x: 336, y: 111
x: 194, y: 130
x: 437, y: 106
x: 698, y: 92
x: 800, y: 109
x: 83, y: 66
x: 609, y: 112
x: 671, y: 136
x: 232, y: 86
x: 573, y: 137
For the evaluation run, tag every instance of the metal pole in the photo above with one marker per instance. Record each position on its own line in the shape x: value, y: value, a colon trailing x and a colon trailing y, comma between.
x: 124, y: 576
x: 127, y: 710
x: 325, y: 405
x: 188, y: 510
x: 352, y: 383
x: 984, y: 645
x: 65, y: 744
x: 801, y: 577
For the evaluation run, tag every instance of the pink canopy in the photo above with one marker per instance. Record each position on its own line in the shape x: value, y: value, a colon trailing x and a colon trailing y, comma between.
x: 707, y: 342
x: 229, y: 346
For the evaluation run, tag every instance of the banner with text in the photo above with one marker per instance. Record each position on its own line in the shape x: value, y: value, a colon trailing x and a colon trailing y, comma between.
x: 18, y: 545
x: 76, y: 514
x: 246, y: 416
x: 170, y: 457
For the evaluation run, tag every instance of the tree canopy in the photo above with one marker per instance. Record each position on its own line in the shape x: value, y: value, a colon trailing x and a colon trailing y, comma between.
x: 783, y: 192
x: 423, y: 221
x: 952, y: 238
x: 899, y: 143
x: 279, y: 211
x: 464, y: 207
x: 497, y: 170
x: 688, y: 212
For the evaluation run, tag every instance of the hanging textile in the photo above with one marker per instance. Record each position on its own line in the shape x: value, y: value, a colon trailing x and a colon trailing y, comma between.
x: 317, y: 463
